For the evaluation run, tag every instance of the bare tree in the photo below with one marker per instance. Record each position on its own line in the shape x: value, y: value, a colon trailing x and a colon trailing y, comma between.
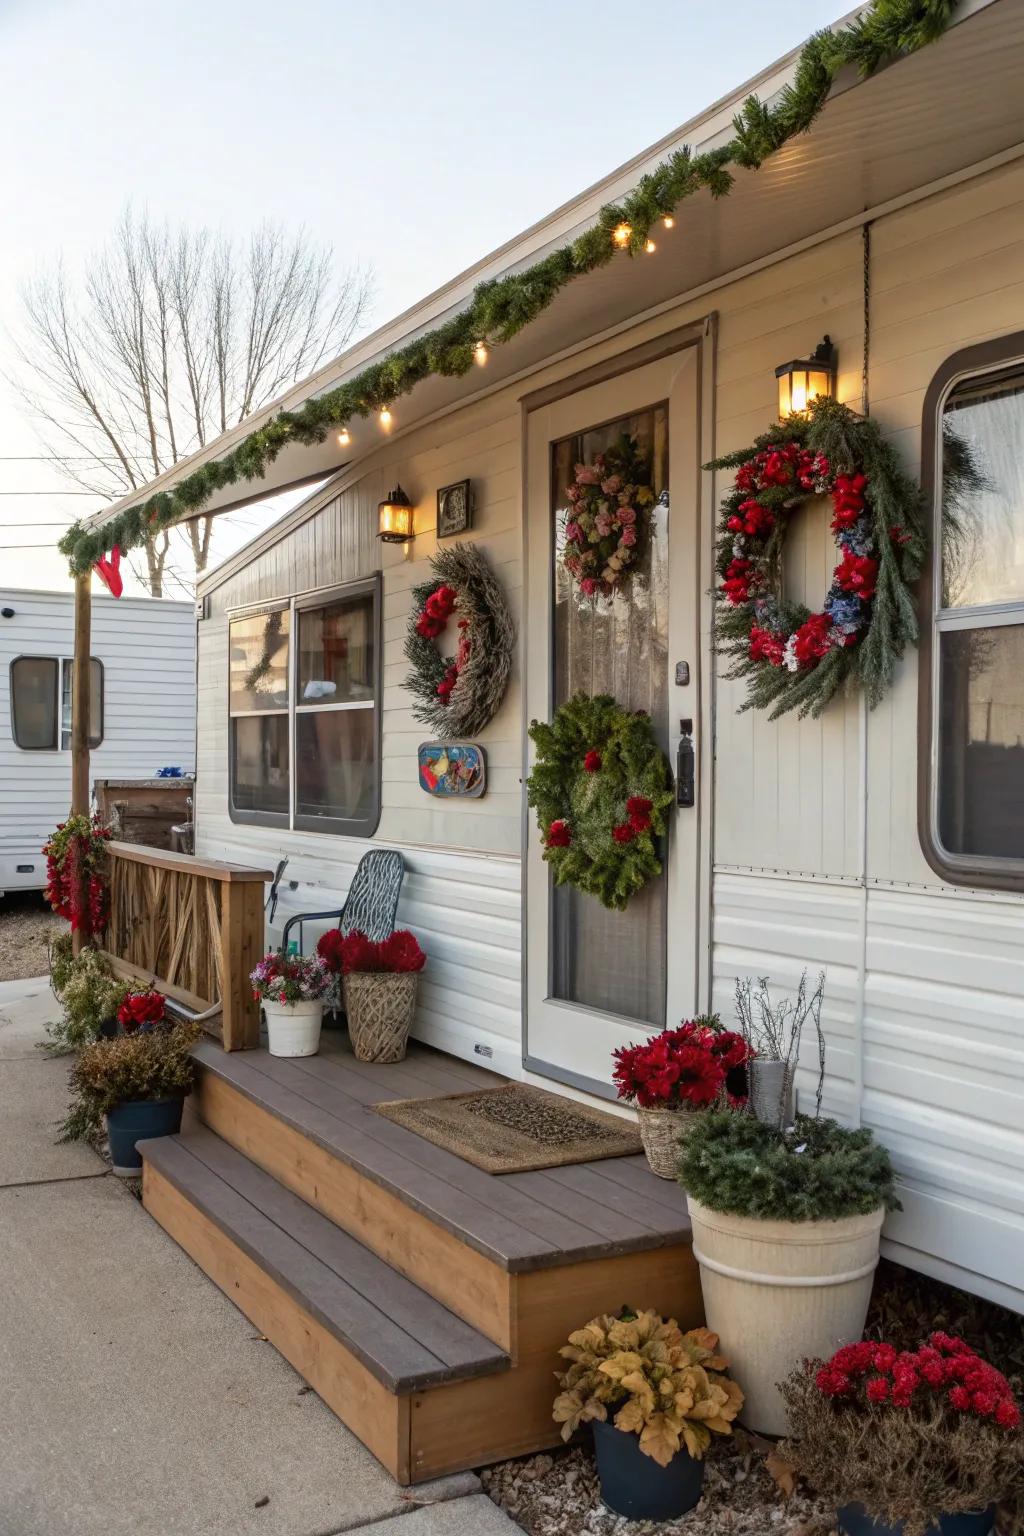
x: 172, y: 336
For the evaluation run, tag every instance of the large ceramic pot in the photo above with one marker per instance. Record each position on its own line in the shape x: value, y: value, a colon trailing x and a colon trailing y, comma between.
x: 293, y: 1029
x: 780, y: 1292
x: 380, y: 1007
x: 854, y: 1520
x: 634, y: 1485
x: 138, y: 1121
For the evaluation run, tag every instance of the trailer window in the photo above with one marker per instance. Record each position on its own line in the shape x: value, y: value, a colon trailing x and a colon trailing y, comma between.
x: 976, y: 800
x: 41, y: 692
x: 305, y: 719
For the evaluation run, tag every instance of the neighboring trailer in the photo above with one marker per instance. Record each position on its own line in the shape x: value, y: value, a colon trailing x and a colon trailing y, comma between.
x: 144, y: 720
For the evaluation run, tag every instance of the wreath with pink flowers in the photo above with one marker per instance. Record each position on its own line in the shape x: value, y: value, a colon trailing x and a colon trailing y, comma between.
x: 459, y: 692
x: 793, y: 658
x: 601, y: 786
x: 606, y: 524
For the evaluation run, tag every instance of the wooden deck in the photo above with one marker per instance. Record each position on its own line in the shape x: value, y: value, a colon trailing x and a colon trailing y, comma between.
x: 424, y: 1299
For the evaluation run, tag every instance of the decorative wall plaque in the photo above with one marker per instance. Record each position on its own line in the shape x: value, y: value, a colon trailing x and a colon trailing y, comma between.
x: 453, y: 770
x: 454, y: 509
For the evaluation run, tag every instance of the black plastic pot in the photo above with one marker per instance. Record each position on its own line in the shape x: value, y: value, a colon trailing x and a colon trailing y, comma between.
x: 854, y: 1520
x: 634, y: 1485
x: 137, y: 1121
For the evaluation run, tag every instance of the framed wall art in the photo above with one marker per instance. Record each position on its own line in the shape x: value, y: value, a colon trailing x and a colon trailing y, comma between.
x: 454, y: 509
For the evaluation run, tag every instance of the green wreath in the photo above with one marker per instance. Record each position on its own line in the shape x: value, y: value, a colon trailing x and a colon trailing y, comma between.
x: 458, y: 695
x: 790, y: 657
x: 601, y: 786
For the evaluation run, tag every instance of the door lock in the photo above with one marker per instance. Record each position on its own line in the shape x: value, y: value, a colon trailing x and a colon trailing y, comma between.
x: 685, y: 765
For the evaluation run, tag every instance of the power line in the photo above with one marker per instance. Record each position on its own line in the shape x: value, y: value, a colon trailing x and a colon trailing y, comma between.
x: 50, y: 493
x: 5, y: 526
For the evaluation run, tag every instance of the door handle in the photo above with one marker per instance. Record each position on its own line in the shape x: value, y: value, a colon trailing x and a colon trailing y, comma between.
x: 685, y: 765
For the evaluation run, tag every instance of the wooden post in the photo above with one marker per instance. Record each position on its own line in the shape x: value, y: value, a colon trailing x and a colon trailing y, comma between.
x: 242, y: 944
x: 80, y: 708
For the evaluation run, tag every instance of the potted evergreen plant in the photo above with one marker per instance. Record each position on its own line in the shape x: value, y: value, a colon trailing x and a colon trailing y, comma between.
x: 380, y: 985
x: 654, y: 1396
x: 672, y: 1075
x: 139, y: 1080
x: 291, y: 989
x: 786, y: 1226
x: 907, y: 1443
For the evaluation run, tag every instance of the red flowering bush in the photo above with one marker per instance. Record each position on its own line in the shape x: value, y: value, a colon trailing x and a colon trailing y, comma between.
x: 76, y: 886
x: 141, y: 1010
x: 686, y: 1066
x: 343, y: 954
x: 909, y: 1434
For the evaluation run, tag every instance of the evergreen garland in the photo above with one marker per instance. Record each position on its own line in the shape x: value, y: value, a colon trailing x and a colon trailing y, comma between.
x: 817, y: 1170
x: 458, y: 698
x: 601, y: 786
x: 501, y: 307
x: 792, y: 658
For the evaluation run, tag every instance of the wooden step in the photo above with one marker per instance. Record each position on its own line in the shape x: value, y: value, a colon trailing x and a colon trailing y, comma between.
x: 386, y: 1357
x: 486, y: 1246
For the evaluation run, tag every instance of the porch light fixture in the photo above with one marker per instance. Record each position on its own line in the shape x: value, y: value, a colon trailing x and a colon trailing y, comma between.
x: 394, y: 518
x: 807, y: 378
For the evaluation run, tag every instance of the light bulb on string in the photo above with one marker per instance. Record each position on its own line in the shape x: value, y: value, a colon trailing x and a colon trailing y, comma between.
x: 650, y: 247
x: 344, y: 438
x: 385, y: 419
x: 668, y: 221
x: 480, y: 353
x: 622, y: 234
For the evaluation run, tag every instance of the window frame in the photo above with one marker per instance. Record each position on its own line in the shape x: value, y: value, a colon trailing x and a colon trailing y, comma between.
x: 319, y: 597
x: 989, y: 359
x: 60, y: 662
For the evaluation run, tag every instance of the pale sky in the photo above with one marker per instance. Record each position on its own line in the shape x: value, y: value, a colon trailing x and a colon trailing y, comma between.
x: 413, y: 137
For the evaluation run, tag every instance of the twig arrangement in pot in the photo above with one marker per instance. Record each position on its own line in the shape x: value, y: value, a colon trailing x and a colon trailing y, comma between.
x: 379, y: 983
x: 672, y: 1075
x: 786, y: 1225
x: 920, y: 1442
x: 292, y: 989
x: 654, y: 1396
x: 774, y: 1032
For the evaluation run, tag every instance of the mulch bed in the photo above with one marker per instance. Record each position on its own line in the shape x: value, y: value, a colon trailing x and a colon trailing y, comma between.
x: 26, y: 926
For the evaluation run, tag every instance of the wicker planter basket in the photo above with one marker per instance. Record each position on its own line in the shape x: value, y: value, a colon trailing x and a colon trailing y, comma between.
x: 660, y: 1132
x: 380, y: 1006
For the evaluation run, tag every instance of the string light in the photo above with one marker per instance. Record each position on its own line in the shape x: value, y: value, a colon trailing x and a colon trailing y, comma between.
x: 650, y: 247
x: 385, y: 419
x: 622, y: 234
x: 344, y: 438
x: 669, y: 222
x: 480, y: 353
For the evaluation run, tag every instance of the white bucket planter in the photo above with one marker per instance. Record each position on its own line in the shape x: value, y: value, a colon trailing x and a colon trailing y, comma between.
x: 293, y: 1029
x: 777, y: 1292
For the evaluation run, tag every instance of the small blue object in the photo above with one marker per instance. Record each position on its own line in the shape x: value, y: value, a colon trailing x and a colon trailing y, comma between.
x: 170, y: 773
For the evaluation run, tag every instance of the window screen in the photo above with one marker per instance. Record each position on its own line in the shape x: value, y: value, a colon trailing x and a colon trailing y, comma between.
x: 258, y: 704
x: 41, y: 695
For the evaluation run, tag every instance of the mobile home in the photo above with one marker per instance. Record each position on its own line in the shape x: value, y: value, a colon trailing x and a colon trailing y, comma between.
x: 884, y: 845
x: 142, y: 715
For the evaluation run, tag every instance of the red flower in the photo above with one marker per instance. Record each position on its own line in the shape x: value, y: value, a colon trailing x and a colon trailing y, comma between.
x: 401, y: 952
x: 811, y: 640
x: 592, y: 761
x: 857, y: 573
x: 765, y: 645
x: 624, y: 832
x: 1007, y: 1414
x: 441, y: 604
x: 558, y: 835
x: 878, y: 1390
x: 737, y: 582
x: 427, y: 627
x: 141, y: 1010
x: 329, y: 946
x: 675, y: 1067
x: 358, y: 953
x: 638, y: 810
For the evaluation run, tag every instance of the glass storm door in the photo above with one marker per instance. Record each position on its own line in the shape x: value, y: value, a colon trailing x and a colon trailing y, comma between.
x: 596, y: 978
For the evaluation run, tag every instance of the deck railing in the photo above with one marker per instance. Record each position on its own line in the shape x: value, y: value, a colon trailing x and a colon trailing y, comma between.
x: 194, y: 929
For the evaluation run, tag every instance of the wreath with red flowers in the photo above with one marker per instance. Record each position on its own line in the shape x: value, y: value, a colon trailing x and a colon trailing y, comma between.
x: 607, y: 521
x: 459, y: 694
x: 793, y: 658
x: 76, y: 864
x: 601, y: 786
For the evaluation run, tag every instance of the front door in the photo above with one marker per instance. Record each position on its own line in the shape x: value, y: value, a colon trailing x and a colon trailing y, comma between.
x: 596, y: 978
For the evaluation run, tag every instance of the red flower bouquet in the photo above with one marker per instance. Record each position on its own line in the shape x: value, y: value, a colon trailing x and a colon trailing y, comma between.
x: 399, y: 954
x: 681, y: 1068
x: 141, y: 1011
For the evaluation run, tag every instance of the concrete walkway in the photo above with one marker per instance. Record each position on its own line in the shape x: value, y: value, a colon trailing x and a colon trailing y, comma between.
x: 135, y: 1400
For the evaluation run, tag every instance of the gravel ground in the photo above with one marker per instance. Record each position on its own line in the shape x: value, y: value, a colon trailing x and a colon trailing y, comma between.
x: 26, y: 923
x: 559, y: 1496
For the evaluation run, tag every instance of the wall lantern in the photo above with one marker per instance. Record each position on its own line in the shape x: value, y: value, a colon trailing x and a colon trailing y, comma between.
x: 394, y: 517
x: 805, y: 378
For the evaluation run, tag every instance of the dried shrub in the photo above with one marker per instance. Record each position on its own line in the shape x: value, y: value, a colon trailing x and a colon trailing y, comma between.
x: 147, y: 1064
x: 88, y: 991
x: 910, y: 1460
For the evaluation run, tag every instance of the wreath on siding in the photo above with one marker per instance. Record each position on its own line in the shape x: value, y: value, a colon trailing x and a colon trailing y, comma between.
x: 793, y: 658
x: 458, y: 695
x: 608, y: 517
x: 601, y: 786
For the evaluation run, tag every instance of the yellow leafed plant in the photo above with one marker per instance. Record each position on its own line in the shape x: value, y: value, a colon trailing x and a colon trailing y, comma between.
x: 651, y: 1380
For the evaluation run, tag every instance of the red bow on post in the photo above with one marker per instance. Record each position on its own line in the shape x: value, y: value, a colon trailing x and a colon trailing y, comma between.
x: 109, y: 571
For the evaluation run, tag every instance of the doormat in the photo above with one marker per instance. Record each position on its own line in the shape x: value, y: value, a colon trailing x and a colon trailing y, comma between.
x: 516, y: 1128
